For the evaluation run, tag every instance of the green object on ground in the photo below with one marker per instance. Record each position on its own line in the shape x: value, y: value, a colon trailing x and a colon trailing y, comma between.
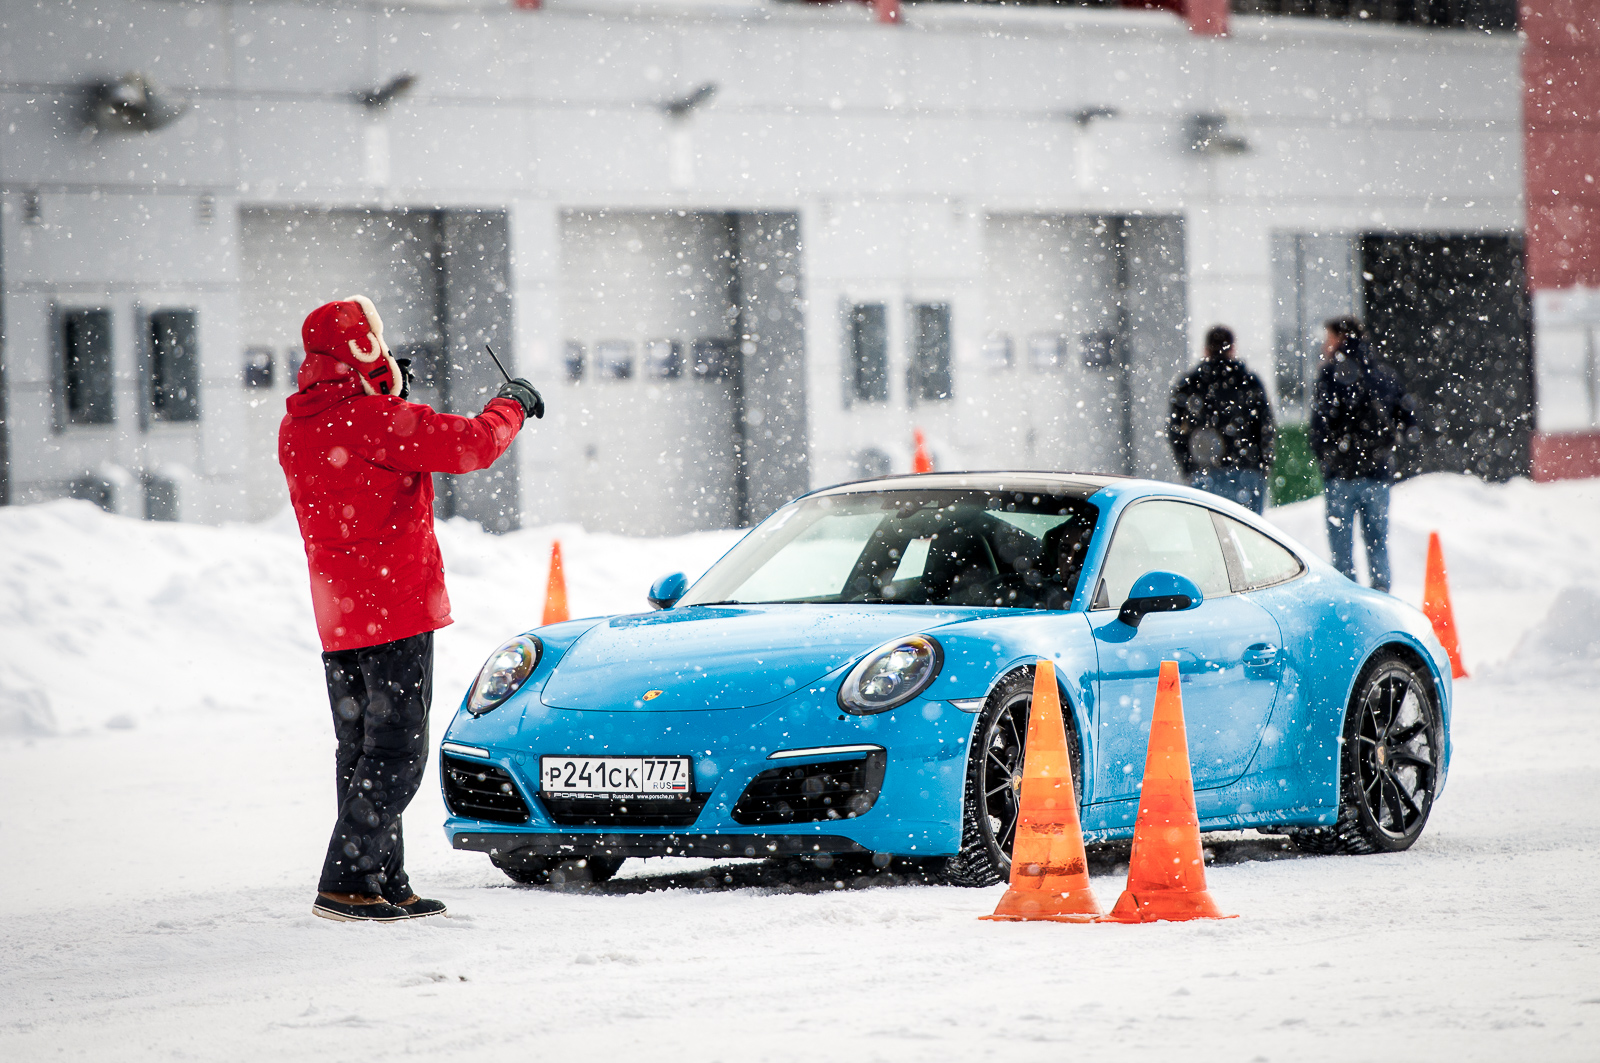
x: 1295, y: 476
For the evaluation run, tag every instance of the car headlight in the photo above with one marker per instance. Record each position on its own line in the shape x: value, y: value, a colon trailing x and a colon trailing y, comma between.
x: 504, y: 672
x: 891, y: 675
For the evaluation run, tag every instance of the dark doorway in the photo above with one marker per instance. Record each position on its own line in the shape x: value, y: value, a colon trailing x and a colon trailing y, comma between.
x: 1451, y: 315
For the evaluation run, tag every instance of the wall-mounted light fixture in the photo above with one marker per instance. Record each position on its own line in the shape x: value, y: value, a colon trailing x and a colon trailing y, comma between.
x: 1208, y: 135
x: 379, y: 98
x: 682, y: 105
x: 132, y: 104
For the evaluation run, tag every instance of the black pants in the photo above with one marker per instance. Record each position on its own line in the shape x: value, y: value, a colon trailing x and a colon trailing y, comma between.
x: 380, y: 697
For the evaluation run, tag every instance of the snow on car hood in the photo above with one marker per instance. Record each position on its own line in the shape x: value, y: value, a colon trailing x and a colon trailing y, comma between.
x: 725, y: 657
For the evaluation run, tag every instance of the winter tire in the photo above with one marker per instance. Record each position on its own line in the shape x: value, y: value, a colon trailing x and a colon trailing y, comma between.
x: 562, y: 871
x: 994, y: 779
x: 1389, y: 768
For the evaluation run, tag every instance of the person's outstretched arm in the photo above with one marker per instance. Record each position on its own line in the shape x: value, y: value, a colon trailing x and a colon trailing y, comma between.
x: 417, y: 438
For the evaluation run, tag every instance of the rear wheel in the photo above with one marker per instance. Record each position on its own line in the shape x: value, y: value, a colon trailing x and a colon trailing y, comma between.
x: 994, y: 782
x: 1389, y: 768
x: 561, y: 870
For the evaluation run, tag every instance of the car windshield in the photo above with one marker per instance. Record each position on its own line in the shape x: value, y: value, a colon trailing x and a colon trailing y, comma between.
x: 1018, y: 549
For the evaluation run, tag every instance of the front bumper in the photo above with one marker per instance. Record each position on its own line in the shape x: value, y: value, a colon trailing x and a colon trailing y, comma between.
x: 917, y: 810
x: 508, y: 847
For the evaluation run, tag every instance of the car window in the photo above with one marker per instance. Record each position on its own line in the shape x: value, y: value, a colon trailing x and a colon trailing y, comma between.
x: 1019, y: 549
x: 1262, y: 562
x: 1165, y: 536
x: 821, y: 558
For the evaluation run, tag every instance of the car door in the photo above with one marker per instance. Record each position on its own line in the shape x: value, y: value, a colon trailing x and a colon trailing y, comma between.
x: 1226, y: 649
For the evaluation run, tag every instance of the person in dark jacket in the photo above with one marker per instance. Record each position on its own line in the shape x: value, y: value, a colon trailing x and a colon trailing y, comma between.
x: 1221, y: 427
x: 1359, y: 413
x: 359, y: 460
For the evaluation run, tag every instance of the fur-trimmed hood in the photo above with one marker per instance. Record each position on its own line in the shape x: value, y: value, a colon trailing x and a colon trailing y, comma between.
x: 349, y: 332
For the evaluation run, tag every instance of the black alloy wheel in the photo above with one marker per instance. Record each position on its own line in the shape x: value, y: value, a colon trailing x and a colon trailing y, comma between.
x: 1389, y: 769
x: 994, y: 782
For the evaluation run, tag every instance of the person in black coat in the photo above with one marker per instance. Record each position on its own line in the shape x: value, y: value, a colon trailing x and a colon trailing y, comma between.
x: 1221, y: 427
x: 1359, y: 413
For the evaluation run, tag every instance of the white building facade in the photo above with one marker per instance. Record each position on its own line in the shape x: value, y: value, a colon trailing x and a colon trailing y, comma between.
x: 743, y: 248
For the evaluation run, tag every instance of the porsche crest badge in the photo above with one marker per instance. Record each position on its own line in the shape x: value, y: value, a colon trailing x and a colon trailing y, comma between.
x: 651, y: 695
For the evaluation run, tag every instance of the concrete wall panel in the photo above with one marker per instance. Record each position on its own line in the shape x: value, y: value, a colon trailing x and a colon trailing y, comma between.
x: 183, y: 45
x: 195, y: 150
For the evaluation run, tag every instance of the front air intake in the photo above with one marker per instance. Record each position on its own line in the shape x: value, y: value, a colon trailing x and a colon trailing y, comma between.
x: 474, y: 790
x: 811, y: 793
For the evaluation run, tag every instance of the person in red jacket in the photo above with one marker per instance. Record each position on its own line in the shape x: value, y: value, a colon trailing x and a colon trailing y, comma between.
x: 359, y: 460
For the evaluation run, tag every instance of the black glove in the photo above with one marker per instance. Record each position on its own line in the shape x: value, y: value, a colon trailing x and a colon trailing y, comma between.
x: 407, y: 377
x: 523, y: 393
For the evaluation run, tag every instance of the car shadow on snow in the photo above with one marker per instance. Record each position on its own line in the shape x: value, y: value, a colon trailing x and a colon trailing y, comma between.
x: 858, y: 871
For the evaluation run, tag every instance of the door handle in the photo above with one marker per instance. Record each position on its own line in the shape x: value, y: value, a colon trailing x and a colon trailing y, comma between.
x: 1261, y: 655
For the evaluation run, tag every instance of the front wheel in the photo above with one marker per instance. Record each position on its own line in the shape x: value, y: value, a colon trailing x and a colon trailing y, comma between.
x: 562, y: 871
x: 1389, y: 768
x: 994, y: 782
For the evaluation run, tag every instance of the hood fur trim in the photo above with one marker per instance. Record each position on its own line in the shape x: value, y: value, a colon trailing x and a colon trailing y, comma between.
x: 376, y: 346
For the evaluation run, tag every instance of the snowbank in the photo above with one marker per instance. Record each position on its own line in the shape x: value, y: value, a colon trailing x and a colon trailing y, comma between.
x: 107, y: 620
x: 1513, y: 536
x: 1567, y: 639
x: 1513, y: 547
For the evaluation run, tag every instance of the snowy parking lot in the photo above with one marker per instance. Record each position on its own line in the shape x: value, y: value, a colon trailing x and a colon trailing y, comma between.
x: 165, y: 799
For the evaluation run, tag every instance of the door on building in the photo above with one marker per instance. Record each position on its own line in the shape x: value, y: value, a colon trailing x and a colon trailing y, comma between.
x: 684, y: 353
x: 441, y: 280
x: 1450, y: 313
x: 1085, y: 327
x: 1224, y: 649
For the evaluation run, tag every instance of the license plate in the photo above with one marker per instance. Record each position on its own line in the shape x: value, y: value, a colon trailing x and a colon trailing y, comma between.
x: 605, y: 776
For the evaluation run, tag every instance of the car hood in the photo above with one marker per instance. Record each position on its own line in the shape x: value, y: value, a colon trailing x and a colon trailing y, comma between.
x: 725, y: 657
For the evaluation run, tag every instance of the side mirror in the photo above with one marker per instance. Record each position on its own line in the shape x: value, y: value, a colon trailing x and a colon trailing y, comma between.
x: 665, y: 592
x: 1159, y: 592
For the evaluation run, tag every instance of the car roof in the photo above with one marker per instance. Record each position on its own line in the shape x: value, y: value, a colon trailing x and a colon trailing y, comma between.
x: 1081, y: 485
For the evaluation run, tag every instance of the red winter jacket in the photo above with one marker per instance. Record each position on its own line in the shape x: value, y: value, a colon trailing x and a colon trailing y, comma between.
x: 358, y: 467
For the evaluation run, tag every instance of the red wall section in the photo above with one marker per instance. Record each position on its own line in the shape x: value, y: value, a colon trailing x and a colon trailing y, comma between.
x: 1564, y: 455
x: 1561, y: 108
x: 1209, y: 18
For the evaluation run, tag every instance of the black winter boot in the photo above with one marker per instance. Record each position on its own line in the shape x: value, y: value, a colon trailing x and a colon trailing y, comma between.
x: 356, y: 908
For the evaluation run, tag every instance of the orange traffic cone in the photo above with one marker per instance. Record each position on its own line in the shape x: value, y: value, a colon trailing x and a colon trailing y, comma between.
x: 1436, y: 605
x: 1049, y: 871
x: 1167, y: 871
x: 555, y: 591
x: 921, y: 461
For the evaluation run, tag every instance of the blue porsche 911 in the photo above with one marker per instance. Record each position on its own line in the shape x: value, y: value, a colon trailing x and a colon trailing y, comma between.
x: 854, y: 677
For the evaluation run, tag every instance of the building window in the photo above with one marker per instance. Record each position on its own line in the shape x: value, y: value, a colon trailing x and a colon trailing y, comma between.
x: 716, y: 359
x: 930, y: 352
x: 258, y: 367
x: 160, y: 498
x: 869, y: 353
x: 83, y: 378
x: 613, y: 359
x: 174, y: 366
x: 1449, y: 14
x: 663, y: 359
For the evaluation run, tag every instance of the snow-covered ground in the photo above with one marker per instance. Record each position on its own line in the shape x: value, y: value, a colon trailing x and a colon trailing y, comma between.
x: 165, y: 796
